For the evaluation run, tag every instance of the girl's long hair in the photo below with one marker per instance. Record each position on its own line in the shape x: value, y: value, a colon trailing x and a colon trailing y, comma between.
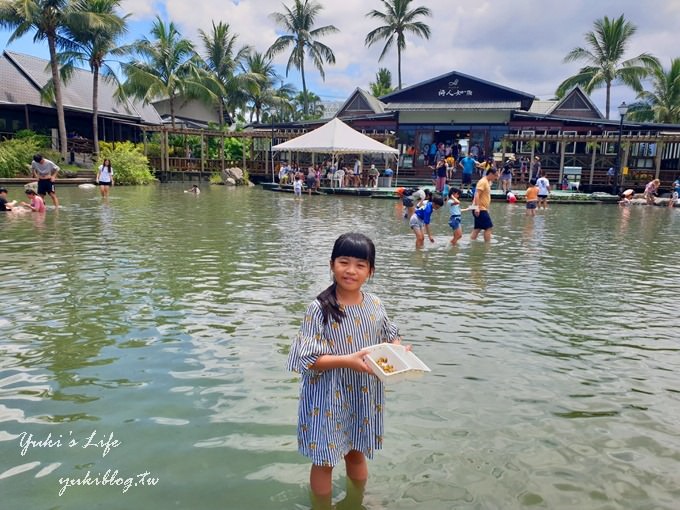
x: 354, y: 245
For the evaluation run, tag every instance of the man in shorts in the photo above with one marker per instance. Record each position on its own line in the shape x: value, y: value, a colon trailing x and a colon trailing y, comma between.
x: 46, y: 172
x: 481, y: 202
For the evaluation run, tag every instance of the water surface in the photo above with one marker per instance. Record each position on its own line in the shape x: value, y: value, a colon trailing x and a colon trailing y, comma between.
x: 162, y: 321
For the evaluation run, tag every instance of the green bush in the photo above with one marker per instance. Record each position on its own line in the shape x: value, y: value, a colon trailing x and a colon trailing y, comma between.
x: 216, y: 178
x: 130, y: 165
x: 16, y: 155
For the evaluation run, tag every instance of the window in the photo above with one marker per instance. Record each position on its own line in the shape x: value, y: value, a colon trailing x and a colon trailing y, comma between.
x: 610, y: 147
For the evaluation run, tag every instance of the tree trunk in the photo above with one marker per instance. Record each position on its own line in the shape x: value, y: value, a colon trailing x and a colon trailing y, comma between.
x: 61, y: 121
x: 95, y: 110
x: 609, y: 96
x: 172, y: 110
x: 305, y: 107
x: 399, y: 64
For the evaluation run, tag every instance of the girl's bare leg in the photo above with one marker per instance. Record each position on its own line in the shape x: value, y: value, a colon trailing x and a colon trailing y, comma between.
x: 321, y: 485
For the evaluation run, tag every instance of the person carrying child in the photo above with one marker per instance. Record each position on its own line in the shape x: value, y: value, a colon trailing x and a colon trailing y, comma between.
x: 340, y: 412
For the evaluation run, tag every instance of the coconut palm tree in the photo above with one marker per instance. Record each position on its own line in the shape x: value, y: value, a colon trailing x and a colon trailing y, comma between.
x: 397, y: 20
x: 604, y: 58
x: 222, y: 60
x: 262, y: 93
x: 46, y: 18
x: 298, y: 25
x: 167, y: 67
x: 314, y: 107
x: 94, y: 45
x: 662, y: 103
x: 383, y: 83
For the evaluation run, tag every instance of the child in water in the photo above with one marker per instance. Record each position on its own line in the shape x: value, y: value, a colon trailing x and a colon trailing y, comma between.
x: 455, y: 215
x: 340, y: 414
x: 420, y: 220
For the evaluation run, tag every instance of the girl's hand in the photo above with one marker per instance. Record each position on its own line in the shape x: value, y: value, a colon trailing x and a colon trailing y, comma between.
x: 356, y: 362
x: 398, y: 342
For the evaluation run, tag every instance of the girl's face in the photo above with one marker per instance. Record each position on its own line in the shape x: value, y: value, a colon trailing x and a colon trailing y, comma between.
x: 350, y: 272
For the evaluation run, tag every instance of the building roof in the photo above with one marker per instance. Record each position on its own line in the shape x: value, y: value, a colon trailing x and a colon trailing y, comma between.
x: 456, y: 88
x: 575, y: 103
x: 360, y: 102
x: 23, y: 76
x: 466, y: 106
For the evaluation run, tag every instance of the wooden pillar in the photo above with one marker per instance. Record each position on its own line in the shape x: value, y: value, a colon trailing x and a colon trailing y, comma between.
x: 592, y: 163
x: 28, y: 121
x: 146, y: 151
x: 657, y: 159
x: 167, y: 150
x: 202, y: 153
x: 222, y: 153
x: 559, y: 179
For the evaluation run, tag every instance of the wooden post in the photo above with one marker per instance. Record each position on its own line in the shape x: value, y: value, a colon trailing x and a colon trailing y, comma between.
x: 167, y: 150
x: 592, y: 163
x: 146, y: 153
x: 559, y: 179
x: 657, y: 159
x: 202, y: 153
x: 221, y: 153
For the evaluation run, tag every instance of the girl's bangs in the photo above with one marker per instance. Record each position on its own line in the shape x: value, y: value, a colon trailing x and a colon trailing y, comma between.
x: 357, y: 247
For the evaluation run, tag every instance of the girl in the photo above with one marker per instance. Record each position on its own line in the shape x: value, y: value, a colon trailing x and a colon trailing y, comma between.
x: 341, y: 405
x: 105, y: 177
x: 455, y: 215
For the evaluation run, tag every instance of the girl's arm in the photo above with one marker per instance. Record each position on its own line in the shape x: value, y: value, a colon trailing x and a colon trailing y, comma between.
x: 429, y: 235
x: 354, y: 361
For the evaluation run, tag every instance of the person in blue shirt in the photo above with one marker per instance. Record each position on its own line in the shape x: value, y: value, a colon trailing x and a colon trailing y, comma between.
x: 420, y: 220
x: 468, y: 164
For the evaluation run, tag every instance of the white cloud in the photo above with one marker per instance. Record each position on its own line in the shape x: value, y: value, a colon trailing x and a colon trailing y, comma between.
x: 518, y: 43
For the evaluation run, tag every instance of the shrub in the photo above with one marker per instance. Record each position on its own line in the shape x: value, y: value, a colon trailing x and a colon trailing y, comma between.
x: 16, y: 156
x: 216, y: 178
x: 130, y: 165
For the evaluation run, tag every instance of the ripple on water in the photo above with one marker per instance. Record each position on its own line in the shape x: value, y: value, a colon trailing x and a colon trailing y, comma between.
x: 554, y: 352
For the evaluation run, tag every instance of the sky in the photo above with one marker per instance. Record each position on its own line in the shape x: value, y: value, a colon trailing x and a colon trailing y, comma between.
x: 519, y: 44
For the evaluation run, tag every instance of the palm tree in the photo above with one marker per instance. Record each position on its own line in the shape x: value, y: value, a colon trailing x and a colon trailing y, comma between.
x: 298, y: 23
x: 94, y: 46
x: 221, y: 61
x: 398, y: 20
x: 383, y: 83
x: 314, y: 107
x: 607, y: 45
x: 167, y: 67
x: 46, y: 18
x: 261, y: 93
x: 662, y: 104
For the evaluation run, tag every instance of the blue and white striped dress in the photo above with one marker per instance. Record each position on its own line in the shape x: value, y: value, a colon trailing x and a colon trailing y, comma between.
x: 341, y: 409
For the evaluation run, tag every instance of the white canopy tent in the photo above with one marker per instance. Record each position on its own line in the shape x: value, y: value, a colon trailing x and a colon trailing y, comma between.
x: 336, y: 137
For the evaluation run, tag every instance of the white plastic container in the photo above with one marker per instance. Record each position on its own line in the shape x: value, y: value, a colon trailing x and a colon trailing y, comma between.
x: 405, y: 365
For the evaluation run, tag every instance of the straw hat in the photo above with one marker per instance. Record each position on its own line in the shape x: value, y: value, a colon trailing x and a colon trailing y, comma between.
x: 628, y: 192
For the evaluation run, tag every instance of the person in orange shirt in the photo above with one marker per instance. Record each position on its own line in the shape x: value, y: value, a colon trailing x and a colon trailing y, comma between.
x: 532, y: 197
x: 481, y: 202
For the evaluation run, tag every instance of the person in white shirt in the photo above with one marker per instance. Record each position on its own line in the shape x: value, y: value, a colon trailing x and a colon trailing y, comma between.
x: 543, y: 190
x: 105, y: 177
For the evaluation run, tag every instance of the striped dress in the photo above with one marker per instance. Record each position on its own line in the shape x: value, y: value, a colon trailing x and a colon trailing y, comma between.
x: 341, y: 409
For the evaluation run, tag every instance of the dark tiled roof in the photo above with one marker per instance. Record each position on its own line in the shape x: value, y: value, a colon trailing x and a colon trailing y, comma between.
x: 22, y: 77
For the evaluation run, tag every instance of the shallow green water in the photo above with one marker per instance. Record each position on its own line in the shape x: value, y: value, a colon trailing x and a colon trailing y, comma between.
x: 162, y: 321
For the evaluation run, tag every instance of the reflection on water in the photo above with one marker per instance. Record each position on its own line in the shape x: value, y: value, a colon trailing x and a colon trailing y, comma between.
x: 162, y: 321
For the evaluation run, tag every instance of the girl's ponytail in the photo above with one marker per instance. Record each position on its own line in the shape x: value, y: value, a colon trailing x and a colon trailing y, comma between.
x: 329, y: 304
